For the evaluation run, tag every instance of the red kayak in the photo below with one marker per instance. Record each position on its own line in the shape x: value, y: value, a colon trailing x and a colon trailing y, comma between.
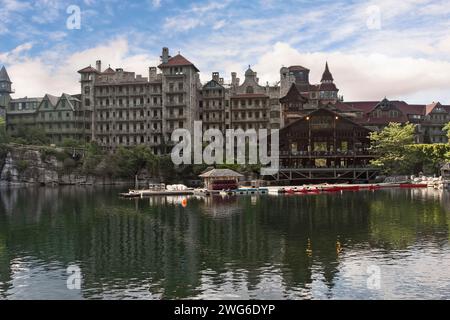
x: 332, y: 189
x: 413, y: 185
x: 351, y: 188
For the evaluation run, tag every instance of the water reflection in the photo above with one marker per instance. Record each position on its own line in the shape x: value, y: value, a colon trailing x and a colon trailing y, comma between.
x: 316, y: 246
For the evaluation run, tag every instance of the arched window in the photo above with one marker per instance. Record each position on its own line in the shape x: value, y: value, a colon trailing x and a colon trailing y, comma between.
x: 249, y: 89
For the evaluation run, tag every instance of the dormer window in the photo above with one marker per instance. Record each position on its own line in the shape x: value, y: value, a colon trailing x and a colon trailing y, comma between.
x: 249, y: 90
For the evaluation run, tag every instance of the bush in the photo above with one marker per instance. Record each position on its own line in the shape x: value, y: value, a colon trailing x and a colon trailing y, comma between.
x: 48, y: 152
x: 22, y: 165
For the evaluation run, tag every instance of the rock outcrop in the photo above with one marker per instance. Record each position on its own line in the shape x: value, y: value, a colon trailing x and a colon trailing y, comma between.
x: 28, y: 166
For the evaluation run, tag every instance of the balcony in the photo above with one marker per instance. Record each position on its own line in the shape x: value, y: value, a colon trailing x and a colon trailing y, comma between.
x: 174, y: 104
x: 176, y: 91
x: 176, y: 117
x: 325, y: 154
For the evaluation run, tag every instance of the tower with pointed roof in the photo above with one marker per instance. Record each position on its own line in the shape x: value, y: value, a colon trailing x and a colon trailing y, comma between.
x: 5, y: 89
x: 328, y: 92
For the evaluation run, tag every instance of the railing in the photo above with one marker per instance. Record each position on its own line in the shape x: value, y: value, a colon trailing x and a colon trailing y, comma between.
x: 325, y: 153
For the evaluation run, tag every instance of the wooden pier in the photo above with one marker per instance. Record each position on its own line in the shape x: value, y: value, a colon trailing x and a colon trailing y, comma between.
x: 334, y: 175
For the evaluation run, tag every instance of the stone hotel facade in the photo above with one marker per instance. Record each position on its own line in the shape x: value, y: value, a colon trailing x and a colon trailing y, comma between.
x: 117, y: 107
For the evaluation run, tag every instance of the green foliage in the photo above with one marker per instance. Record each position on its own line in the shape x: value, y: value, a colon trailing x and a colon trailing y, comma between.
x: 92, y: 158
x: 22, y: 165
x: 447, y: 129
x: 3, y: 135
x: 129, y: 161
x: 31, y: 136
x: 48, y: 152
x: 391, y: 148
x: 71, y: 143
x: 430, y: 157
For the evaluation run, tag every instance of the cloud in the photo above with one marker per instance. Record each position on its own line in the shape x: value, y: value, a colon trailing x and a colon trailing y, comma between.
x: 362, y: 76
x: 55, y: 74
x: 195, y: 16
x: 410, y: 50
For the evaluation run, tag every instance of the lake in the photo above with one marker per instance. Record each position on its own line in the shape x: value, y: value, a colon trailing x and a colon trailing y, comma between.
x: 86, y: 243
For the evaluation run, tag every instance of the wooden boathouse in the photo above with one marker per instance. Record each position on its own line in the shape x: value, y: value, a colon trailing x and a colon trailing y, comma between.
x: 323, y: 145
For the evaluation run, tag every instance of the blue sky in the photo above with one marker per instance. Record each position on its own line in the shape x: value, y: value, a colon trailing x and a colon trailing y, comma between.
x: 398, y: 49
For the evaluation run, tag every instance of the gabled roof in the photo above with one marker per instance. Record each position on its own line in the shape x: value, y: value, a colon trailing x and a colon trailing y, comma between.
x: 293, y: 95
x: 430, y: 107
x: 212, y: 83
x: 53, y: 101
x: 88, y: 70
x: 109, y: 71
x: 321, y: 110
x: 178, y: 61
x: 4, y: 75
x: 69, y: 100
x: 219, y: 173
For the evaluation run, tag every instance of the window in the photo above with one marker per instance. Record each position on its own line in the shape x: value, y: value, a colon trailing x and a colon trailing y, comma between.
x: 87, y: 90
x: 249, y: 90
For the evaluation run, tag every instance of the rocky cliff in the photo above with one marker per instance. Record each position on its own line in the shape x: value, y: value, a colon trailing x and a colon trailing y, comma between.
x: 28, y: 166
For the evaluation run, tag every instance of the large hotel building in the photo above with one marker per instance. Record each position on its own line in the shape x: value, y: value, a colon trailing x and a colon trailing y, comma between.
x: 117, y: 107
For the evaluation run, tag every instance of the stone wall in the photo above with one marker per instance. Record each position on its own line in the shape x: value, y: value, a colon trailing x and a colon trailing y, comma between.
x: 21, y: 166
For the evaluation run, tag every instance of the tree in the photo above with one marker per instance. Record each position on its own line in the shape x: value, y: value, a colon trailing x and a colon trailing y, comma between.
x: 3, y: 135
x: 130, y: 161
x: 390, y: 146
x: 430, y: 157
x: 31, y: 135
x: 446, y: 128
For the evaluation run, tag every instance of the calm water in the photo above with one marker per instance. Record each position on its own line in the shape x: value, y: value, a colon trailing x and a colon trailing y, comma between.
x: 268, y: 247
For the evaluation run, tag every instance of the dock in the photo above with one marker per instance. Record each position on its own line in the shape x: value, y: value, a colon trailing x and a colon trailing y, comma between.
x: 150, y: 193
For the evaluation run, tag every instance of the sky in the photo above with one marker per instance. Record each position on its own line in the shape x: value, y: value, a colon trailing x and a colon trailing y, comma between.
x: 375, y: 49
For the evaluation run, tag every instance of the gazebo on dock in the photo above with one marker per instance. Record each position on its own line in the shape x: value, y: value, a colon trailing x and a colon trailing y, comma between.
x: 221, y: 179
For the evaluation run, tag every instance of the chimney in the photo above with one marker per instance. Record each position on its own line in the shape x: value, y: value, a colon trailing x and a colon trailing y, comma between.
x: 99, y: 65
x: 152, y: 73
x: 233, y: 78
x: 238, y: 81
x: 165, y: 55
x: 221, y: 81
x: 215, y: 76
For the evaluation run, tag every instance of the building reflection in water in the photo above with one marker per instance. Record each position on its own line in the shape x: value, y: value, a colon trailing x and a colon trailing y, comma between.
x: 248, y: 247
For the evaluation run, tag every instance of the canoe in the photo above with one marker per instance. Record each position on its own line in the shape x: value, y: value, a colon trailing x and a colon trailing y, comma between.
x: 413, y: 185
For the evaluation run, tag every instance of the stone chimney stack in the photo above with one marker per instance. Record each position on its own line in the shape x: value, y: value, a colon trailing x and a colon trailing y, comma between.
x: 165, y: 55
x: 99, y: 65
x: 152, y: 74
x: 215, y: 76
x: 221, y: 81
x: 233, y: 78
